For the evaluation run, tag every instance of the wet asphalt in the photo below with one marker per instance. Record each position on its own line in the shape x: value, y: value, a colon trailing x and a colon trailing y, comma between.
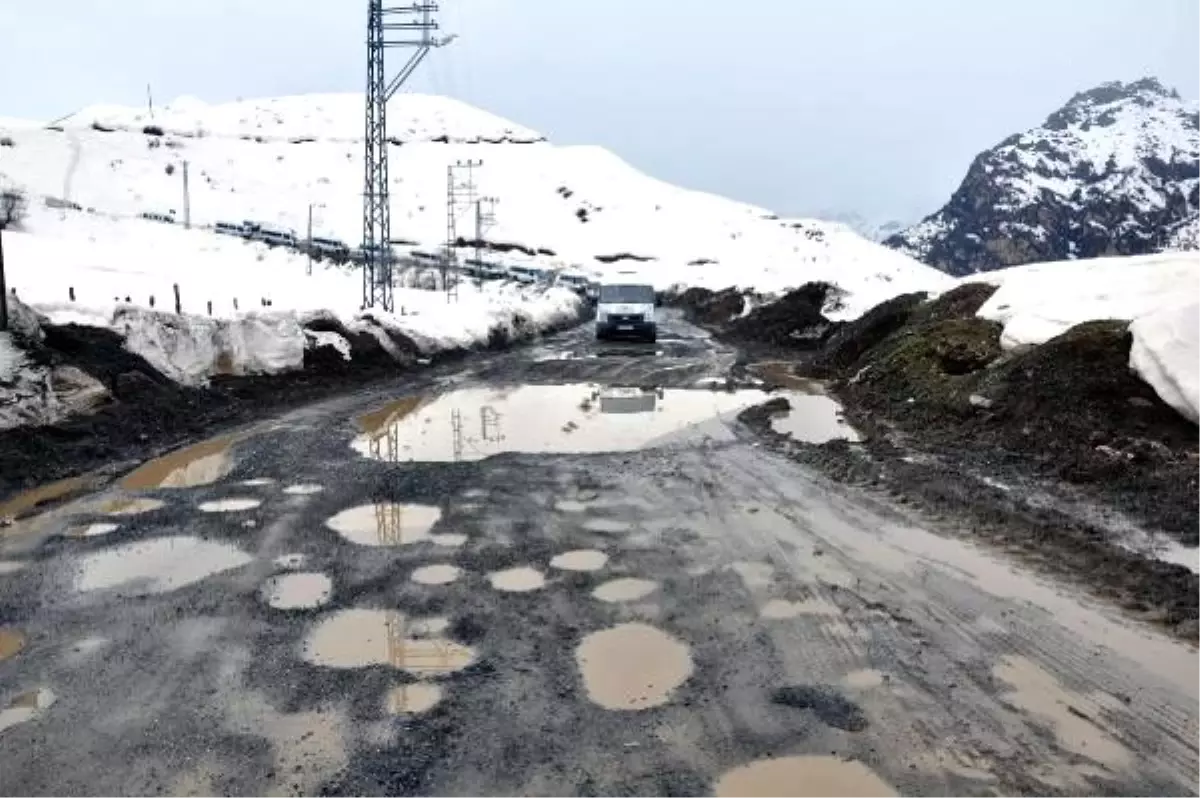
x: 784, y: 633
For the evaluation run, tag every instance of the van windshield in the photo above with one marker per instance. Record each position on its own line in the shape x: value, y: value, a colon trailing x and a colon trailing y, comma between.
x: 627, y: 294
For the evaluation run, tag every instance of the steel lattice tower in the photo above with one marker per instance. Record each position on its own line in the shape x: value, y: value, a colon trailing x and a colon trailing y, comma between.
x: 417, y: 25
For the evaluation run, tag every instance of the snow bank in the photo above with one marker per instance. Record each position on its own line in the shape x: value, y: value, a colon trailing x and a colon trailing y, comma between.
x: 1037, y: 302
x: 1166, y: 354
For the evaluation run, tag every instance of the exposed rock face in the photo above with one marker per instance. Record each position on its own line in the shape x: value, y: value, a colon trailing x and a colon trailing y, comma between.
x: 1113, y: 172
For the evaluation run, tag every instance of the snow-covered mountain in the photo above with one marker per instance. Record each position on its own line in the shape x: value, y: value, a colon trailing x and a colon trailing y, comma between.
x: 268, y: 160
x: 1113, y: 172
x: 870, y: 230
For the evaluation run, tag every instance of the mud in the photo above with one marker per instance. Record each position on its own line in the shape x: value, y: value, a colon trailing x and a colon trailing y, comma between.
x: 11, y: 642
x: 200, y: 464
x: 803, y: 776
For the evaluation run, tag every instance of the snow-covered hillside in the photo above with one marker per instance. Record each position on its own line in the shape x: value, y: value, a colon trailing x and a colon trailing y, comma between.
x: 1113, y: 172
x: 579, y: 205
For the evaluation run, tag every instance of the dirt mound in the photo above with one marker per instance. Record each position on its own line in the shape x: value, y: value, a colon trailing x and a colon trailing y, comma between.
x: 851, y: 340
x: 794, y: 321
x: 710, y: 308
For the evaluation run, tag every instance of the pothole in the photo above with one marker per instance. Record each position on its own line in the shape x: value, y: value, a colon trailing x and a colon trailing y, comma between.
x: 257, y: 482
x: 299, y: 591
x: 813, y: 418
x: 570, y: 506
x: 802, y: 776
x: 25, y: 502
x: 412, y: 699
x: 26, y: 707
x: 303, y: 489
x: 440, y: 574
x: 385, y: 523
x: 448, y: 539
x: 359, y: 638
x: 234, y: 504
x: 131, y: 505
x: 201, y: 464
x: 580, y: 560
x: 11, y: 642
x: 517, y: 580
x: 863, y: 678
x: 11, y: 566
x: 157, y: 566
x: 632, y: 666
x: 94, y: 530
x: 625, y: 589
x: 608, y: 526
x: 478, y: 422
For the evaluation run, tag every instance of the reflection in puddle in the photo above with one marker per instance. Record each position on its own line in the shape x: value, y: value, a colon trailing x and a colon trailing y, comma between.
x: 802, y: 776
x: 448, y: 539
x: 632, y: 666
x: 1039, y: 693
x: 580, y: 560
x: 517, y: 580
x: 131, y: 506
x: 627, y: 589
x: 95, y: 530
x: 304, y: 489
x: 23, y: 502
x: 413, y: 699
x: 26, y: 706
x: 201, y: 464
x: 385, y: 523
x: 11, y: 641
x: 235, y: 504
x: 779, y: 609
x: 300, y: 591
x: 157, y: 566
x: 474, y: 423
x: 813, y: 418
x: 360, y: 638
x: 440, y: 574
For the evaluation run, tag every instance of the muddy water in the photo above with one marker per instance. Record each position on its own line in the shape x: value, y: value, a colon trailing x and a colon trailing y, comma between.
x: 412, y: 699
x: 131, y: 505
x: 11, y: 642
x: 298, y: 591
x: 1039, y: 693
x: 802, y: 776
x: 303, y: 489
x: 359, y: 638
x: 234, y: 504
x: 157, y: 566
x: 201, y: 464
x: 627, y: 589
x: 440, y: 574
x: 385, y: 524
x: 474, y: 423
x: 779, y: 609
x: 448, y: 539
x: 814, y: 418
x: 517, y: 580
x: 26, y: 706
x: 580, y: 560
x: 24, y: 502
x: 632, y: 666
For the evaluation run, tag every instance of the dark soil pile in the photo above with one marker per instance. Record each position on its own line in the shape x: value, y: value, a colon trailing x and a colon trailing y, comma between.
x: 709, y: 308
x: 792, y: 322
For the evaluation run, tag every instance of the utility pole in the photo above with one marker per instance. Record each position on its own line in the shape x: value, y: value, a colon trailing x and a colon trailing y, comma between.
x: 485, y: 217
x: 187, y: 201
x: 416, y: 26
x: 308, y: 248
x: 459, y: 191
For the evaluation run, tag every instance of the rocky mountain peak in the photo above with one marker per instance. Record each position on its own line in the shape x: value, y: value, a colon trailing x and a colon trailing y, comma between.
x: 1114, y: 171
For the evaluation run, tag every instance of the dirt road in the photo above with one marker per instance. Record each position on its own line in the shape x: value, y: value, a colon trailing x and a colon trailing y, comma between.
x: 510, y: 579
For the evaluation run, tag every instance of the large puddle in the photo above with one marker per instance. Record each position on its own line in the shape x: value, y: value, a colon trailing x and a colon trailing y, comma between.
x: 802, y: 776
x: 24, y: 502
x: 201, y: 464
x: 632, y: 666
x: 474, y: 423
x: 157, y: 566
x: 359, y: 638
x: 814, y: 418
x: 385, y: 523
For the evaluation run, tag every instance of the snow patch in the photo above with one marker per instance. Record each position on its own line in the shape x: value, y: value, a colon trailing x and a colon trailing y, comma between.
x: 1166, y: 354
x: 320, y: 338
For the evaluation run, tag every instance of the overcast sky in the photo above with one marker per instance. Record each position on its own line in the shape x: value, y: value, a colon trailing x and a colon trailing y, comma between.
x: 874, y: 106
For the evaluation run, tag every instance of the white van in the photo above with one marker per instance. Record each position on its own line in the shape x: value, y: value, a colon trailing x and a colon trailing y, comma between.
x: 625, y: 309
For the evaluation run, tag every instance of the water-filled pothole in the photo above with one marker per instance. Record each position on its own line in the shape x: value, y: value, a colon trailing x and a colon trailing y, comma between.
x: 359, y: 638
x: 448, y: 539
x: 439, y: 574
x: 297, y: 591
x: 257, y: 482
x: 474, y: 423
x: 814, y: 416
x: 580, y: 560
x: 517, y: 580
x: 632, y: 666
x: 26, y: 706
x: 303, y: 489
x: 11, y: 642
x: 157, y: 566
x: 94, y: 530
x: 385, y: 523
x: 413, y: 699
x: 233, y: 504
x: 131, y: 505
x: 201, y: 464
x: 802, y: 776
x: 624, y: 589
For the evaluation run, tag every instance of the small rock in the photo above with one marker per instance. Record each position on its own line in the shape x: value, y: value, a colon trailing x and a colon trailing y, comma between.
x: 977, y: 400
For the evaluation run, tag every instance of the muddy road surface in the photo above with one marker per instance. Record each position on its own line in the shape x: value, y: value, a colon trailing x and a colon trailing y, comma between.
x: 566, y: 570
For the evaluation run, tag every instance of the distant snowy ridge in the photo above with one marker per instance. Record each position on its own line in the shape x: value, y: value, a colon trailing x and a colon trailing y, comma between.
x: 1115, y: 171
